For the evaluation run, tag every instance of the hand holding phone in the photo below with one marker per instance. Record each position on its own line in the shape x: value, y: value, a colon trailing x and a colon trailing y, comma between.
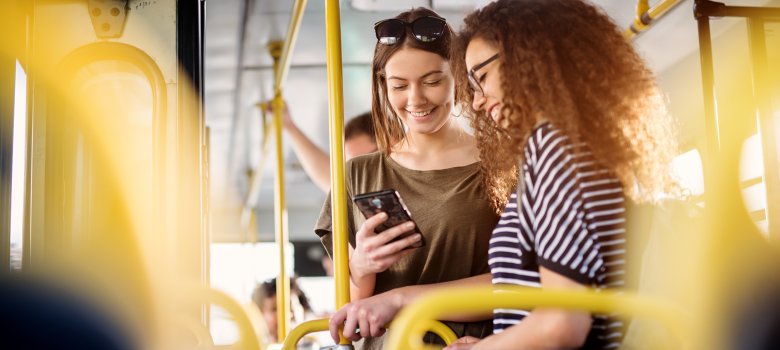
x: 389, y: 202
x: 382, y: 239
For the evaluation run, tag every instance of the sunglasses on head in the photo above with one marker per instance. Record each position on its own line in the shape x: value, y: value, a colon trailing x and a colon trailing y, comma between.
x: 425, y: 29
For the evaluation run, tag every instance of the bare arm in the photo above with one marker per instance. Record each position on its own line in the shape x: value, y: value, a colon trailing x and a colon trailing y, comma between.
x: 360, y: 286
x: 543, y: 328
x: 409, y: 294
x: 315, y: 161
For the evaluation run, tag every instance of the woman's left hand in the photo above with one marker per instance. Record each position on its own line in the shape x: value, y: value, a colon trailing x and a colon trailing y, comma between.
x: 370, y: 316
x: 464, y: 343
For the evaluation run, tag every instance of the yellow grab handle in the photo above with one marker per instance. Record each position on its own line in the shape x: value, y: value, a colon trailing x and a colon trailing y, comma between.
x: 410, y: 323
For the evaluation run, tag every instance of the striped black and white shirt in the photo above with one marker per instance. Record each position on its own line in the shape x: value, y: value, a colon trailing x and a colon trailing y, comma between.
x: 572, y: 222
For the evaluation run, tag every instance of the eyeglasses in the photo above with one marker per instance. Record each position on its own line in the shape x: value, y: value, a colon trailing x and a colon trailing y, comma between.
x: 474, y: 80
x: 425, y: 29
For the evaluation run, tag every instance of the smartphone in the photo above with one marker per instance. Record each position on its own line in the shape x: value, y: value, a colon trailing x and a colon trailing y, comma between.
x: 388, y: 201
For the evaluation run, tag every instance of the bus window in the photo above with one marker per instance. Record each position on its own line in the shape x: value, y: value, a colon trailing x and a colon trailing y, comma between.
x: 687, y: 167
x: 772, y: 128
x: 18, y: 167
x: 751, y: 177
x: 120, y: 91
x: 236, y: 268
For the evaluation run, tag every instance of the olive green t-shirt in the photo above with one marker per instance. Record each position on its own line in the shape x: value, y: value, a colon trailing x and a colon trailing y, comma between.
x: 452, y: 212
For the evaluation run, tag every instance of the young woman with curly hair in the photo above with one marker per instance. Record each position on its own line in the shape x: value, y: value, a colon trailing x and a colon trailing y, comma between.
x: 569, y: 123
x: 433, y: 163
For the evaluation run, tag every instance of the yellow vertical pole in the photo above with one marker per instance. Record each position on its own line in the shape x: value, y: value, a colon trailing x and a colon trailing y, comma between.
x: 280, y: 208
x: 337, y: 186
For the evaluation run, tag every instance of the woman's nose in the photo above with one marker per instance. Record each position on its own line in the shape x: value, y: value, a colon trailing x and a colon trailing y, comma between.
x: 417, y: 96
x: 478, y: 102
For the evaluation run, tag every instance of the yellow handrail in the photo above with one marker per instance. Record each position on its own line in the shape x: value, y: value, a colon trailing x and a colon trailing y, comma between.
x: 645, y: 16
x: 641, y: 7
x: 280, y: 73
x: 442, y: 331
x: 302, y: 329
x: 281, y: 55
x: 412, y: 319
x: 194, y: 293
x: 338, y: 188
x: 280, y: 214
x: 248, y: 218
x: 280, y: 208
x: 198, y: 331
x: 282, y: 52
x: 320, y: 325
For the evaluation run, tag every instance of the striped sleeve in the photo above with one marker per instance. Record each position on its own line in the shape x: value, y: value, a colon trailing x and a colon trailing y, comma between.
x: 563, y: 183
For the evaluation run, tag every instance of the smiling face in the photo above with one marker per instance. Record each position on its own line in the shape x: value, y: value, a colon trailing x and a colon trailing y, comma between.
x: 490, y: 101
x: 420, y: 89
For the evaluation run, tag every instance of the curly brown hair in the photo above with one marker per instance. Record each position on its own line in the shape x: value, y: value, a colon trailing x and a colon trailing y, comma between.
x: 567, y: 62
x: 387, y: 125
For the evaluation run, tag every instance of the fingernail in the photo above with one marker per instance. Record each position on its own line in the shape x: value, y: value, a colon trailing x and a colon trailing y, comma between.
x: 417, y: 237
x: 409, y: 224
x: 382, y: 215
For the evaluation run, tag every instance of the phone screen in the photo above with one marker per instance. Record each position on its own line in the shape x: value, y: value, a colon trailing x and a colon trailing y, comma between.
x: 388, y: 201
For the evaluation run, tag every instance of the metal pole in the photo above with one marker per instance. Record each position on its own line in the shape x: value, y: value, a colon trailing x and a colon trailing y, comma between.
x: 280, y: 209
x: 766, y: 122
x: 748, y: 12
x: 708, y: 93
x: 280, y: 74
x: 338, y: 186
x: 646, y: 15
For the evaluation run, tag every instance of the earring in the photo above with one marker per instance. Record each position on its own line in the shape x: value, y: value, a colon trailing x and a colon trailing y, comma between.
x: 460, y: 113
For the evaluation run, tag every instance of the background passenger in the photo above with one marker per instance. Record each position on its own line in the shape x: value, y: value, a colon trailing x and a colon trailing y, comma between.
x: 358, y: 140
x: 264, y: 296
x: 435, y: 168
x: 554, y: 85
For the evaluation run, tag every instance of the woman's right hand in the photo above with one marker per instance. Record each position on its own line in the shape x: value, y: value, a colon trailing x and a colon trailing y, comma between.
x: 373, y: 251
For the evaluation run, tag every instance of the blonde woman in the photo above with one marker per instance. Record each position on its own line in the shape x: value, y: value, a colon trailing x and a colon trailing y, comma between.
x: 427, y: 157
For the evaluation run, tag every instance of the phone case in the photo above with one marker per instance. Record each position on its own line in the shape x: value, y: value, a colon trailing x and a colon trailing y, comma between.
x: 388, y: 201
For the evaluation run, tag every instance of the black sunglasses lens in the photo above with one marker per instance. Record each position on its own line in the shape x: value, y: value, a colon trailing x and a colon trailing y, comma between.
x: 389, y: 31
x: 427, y: 29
